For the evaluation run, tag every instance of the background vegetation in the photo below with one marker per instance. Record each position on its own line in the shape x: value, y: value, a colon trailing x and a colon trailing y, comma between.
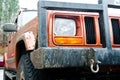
x: 8, y: 11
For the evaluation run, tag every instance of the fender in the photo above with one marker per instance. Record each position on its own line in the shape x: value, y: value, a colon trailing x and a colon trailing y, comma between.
x: 29, y: 40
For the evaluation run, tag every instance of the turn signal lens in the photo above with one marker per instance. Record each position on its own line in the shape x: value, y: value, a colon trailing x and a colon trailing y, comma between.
x: 67, y: 41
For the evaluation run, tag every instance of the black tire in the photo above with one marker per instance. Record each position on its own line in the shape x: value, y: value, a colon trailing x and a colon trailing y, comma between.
x: 26, y: 69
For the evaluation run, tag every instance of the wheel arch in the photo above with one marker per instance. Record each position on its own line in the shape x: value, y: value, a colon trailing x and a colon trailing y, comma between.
x: 20, y: 50
x: 25, y: 42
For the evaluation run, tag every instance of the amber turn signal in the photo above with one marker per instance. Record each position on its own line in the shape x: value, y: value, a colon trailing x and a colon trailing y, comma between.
x: 68, y: 41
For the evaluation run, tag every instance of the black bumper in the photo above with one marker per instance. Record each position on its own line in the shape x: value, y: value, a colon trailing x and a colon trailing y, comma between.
x: 73, y: 57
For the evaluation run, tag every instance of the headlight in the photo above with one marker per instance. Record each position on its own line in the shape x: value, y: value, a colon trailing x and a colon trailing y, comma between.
x: 64, y: 27
x: 64, y: 30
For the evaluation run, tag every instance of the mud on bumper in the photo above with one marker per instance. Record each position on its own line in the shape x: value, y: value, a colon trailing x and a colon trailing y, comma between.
x: 73, y: 57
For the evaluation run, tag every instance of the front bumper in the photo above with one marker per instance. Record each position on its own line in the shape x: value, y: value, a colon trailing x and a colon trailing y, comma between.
x: 73, y: 57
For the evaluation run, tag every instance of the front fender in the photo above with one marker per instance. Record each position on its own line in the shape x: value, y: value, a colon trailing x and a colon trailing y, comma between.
x: 29, y: 40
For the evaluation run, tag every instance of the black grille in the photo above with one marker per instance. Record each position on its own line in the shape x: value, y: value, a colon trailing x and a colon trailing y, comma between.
x: 102, y: 40
x: 116, y: 31
x: 90, y: 30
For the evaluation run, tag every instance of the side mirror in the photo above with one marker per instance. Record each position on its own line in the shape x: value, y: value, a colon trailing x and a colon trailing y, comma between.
x: 9, y: 27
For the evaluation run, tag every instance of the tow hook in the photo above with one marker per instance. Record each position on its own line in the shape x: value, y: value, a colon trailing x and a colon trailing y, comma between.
x: 94, y: 66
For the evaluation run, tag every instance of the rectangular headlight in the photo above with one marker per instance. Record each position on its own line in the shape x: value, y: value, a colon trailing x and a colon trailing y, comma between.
x: 64, y: 27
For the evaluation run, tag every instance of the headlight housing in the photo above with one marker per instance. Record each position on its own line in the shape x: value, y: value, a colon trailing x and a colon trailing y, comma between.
x: 65, y: 31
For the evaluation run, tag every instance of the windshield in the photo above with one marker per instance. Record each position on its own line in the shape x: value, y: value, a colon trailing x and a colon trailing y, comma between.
x: 26, y: 16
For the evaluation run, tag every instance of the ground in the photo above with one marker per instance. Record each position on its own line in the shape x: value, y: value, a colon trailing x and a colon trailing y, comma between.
x: 1, y: 73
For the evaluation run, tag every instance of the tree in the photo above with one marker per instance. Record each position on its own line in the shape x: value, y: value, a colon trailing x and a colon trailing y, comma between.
x: 0, y: 9
x: 8, y: 10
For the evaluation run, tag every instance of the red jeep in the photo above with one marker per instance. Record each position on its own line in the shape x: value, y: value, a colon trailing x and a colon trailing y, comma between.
x: 64, y: 41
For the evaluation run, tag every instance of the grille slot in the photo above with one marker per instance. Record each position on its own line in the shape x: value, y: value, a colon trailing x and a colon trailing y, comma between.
x: 116, y: 30
x: 90, y: 30
x: 102, y: 38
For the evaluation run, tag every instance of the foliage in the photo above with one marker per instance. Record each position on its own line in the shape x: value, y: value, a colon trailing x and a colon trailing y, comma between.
x: 8, y: 9
x: 2, y: 50
x: 0, y: 9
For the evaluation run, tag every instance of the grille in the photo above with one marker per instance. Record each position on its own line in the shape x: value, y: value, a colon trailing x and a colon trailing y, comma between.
x: 102, y: 38
x: 90, y: 30
x: 116, y: 31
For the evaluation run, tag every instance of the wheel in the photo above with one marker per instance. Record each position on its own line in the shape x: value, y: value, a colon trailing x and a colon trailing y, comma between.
x: 26, y: 69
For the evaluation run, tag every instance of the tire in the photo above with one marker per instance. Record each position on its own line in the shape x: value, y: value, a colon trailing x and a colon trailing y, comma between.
x: 26, y: 69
